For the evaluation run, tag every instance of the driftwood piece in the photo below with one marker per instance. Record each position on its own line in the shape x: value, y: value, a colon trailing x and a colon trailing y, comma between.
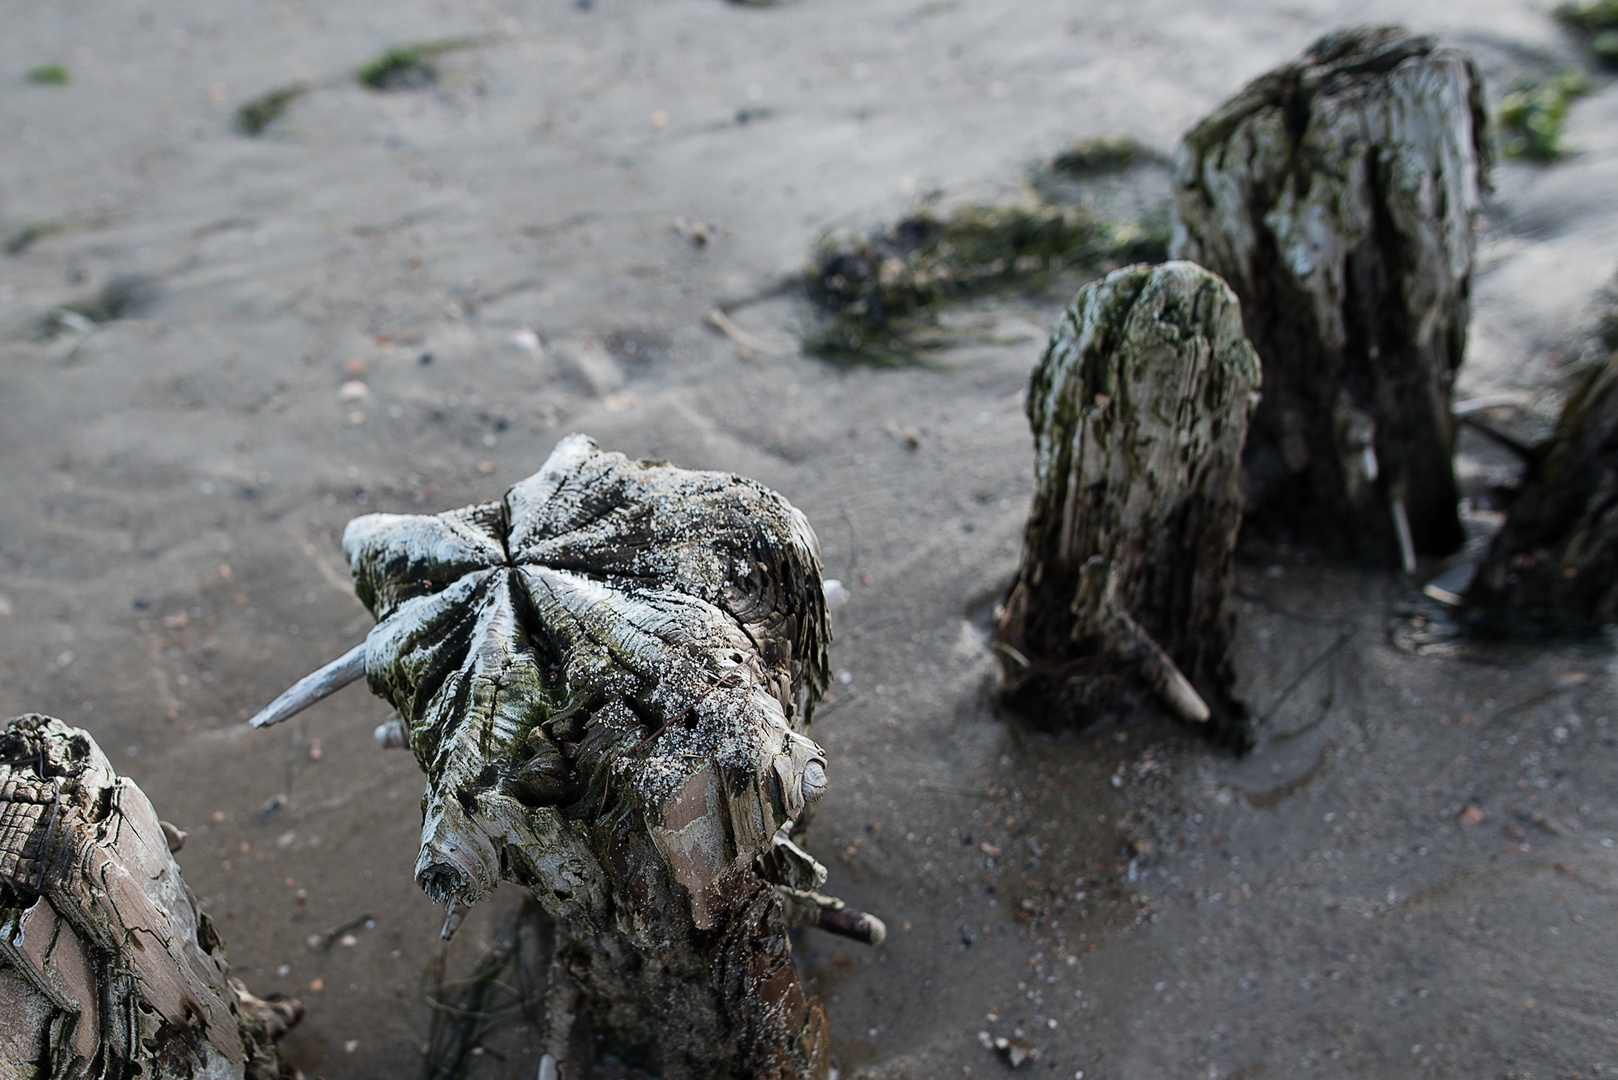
x: 1337, y: 196
x: 108, y: 968
x: 1553, y: 568
x: 1139, y: 407
x: 607, y: 677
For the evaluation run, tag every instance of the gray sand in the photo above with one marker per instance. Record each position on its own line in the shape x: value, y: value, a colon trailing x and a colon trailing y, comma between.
x: 175, y: 483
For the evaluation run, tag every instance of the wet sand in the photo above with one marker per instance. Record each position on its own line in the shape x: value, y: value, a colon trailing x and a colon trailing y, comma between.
x: 1136, y: 903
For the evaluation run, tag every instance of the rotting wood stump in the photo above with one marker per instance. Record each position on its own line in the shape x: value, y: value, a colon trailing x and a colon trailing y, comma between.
x: 607, y: 677
x: 1553, y: 568
x: 108, y: 968
x: 1337, y: 196
x: 1139, y: 407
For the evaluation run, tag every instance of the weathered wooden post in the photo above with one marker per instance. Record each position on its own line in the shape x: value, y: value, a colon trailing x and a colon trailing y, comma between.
x: 607, y: 677
x: 1337, y: 196
x: 108, y: 969
x: 1139, y: 407
x: 1553, y: 567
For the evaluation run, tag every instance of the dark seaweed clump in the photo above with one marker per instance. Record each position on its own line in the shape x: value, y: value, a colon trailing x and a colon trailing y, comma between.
x: 408, y: 67
x: 882, y: 290
x: 253, y: 118
x: 1531, y: 116
x: 123, y: 297
x: 24, y: 238
x: 1598, y: 22
x: 1093, y: 157
x: 50, y: 75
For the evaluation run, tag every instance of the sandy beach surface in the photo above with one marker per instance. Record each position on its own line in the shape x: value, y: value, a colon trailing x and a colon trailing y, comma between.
x: 401, y: 301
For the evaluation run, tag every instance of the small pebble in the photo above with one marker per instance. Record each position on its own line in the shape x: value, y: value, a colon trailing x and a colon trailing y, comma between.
x: 1016, y: 1052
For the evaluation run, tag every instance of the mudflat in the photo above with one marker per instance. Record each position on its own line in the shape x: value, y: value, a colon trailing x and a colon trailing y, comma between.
x: 400, y: 299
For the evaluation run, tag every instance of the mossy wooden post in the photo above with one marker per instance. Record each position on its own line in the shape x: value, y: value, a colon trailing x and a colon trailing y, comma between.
x: 1553, y: 568
x: 1337, y: 196
x: 607, y: 676
x: 1139, y: 407
x: 108, y: 968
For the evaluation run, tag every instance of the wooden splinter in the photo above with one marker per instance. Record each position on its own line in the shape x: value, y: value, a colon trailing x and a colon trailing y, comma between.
x: 1337, y: 196
x: 608, y: 677
x: 108, y: 968
x: 1139, y: 407
x: 313, y: 687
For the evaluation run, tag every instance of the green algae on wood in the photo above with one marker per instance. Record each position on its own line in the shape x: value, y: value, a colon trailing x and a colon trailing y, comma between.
x: 1338, y: 197
x: 1139, y: 408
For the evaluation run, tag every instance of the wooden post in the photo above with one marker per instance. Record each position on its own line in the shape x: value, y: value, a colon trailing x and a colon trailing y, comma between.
x: 1337, y: 196
x: 607, y: 677
x: 1553, y: 567
x: 1139, y: 407
x: 107, y: 966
